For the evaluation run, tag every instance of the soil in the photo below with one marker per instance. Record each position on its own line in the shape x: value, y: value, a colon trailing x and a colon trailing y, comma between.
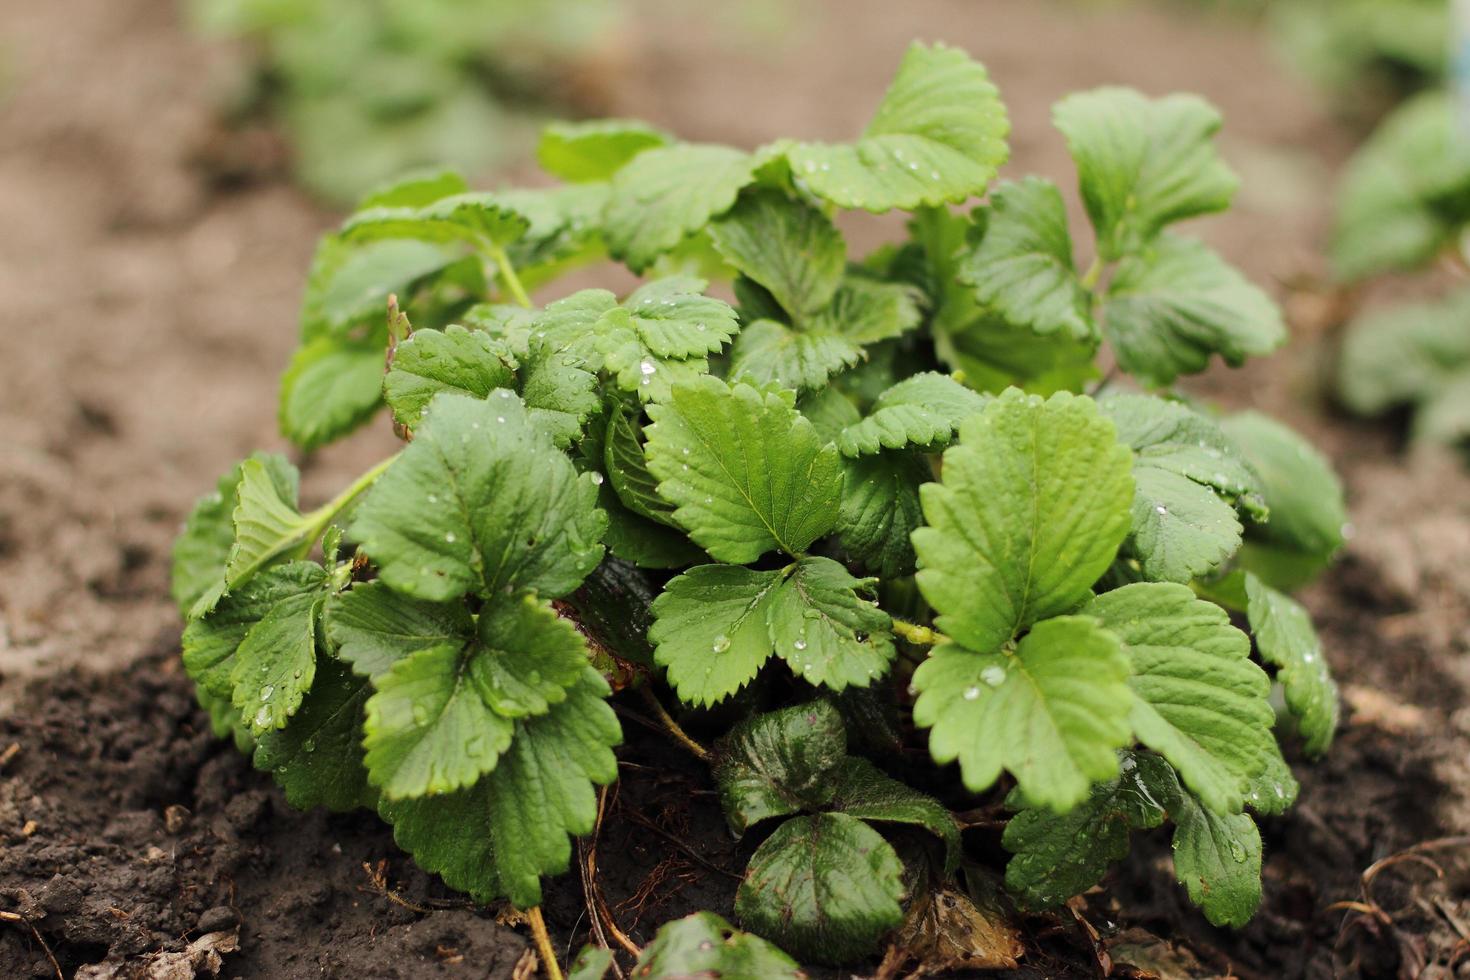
x: 152, y: 262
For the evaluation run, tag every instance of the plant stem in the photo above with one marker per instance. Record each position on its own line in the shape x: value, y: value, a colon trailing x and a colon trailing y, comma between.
x: 914, y: 633
x: 1093, y: 273
x: 318, y: 519
x: 509, y: 277
x: 544, y: 949
x: 671, y: 726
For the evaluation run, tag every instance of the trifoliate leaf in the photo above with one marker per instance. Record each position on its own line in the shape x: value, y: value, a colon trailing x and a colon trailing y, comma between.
x: 276, y: 661
x: 527, y: 657
x: 1173, y: 304
x: 595, y: 149
x: 703, y: 944
x: 1200, y: 701
x: 477, y: 218
x: 1022, y: 268
x: 469, y: 362
x: 481, y: 500
x: 627, y: 468
x: 710, y: 630
x: 1058, y: 855
x: 923, y: 410
x: 374, y: 627
x: 785, y: 244
x: 1217, y: 857
x: 665, y: 193
x: 1053, y: 713
x: 350, y: 283
x: 1188, y: 478
x: 865, y: 311
x: 414, y: 190
x: 779, y: 763
x: 331, y: 387
x: 880, y: 510
x: 1031, y: 510
x: 1286, y: 638
x: 1404, y: 353
x: 745, y: 470
x: 939, y: 135
x: 1143, y: 163
x: 317, y: 759
x: 863, y: 790
x: 267, y: 523
x: 1303, y: 494
x: 824, y: 631
x: 769, y: 352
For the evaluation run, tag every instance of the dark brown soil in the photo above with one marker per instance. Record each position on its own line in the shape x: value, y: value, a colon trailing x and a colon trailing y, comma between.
x: 151, y: 265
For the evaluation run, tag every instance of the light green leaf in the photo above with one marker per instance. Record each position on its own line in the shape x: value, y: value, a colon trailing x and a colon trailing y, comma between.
x: 559, y: 392
x: 745, y: 470
x: 923, y: 410
x: 1274, y: 791
x: 1286, y: 638
x: 481, y: 500
x: 667, y: 192
x: 779, y: 763
x: 1022, y: 268
x: 880, y: 510
x: 710, y: 630
x: 414, y: 190
x: 1031, y: 510
x: 477, y: 218
x: 768, y: 352
x: 627, y: 468
x: 673, y: 317
x: 276, y: 662
x: 1052, y: 713
x: 374, y: 627
x: 468, y: 362
x: 331, y: 387
x: 1217, y: 857
x: 1445, y: 416
x: 595, y: 149
x: 317, y: 759
x: 785, y: 244
x: 1143, y: 163
x: 1404, y: 353
x: 267, y: 523
x: 565, y: 230
x: 824, y: 631
x: 863, y: 790
x: 826, y: 887
x: 865, y: 311
x: 350, y: 283
x: 527, y: 657
x: 1200, y: 701
x: 830, y: 410
x: 1172, y: 305
x: 994, y: 355
x: 938, y: 135
x: 703, y: 944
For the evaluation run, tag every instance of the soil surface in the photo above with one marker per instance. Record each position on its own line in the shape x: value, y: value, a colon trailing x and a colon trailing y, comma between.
x: 152, y: 263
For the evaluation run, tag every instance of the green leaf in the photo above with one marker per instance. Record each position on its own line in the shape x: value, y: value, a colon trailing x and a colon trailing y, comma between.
x: 667, y: 192
x: 1052, y: 713
x: 1022, y: 268
x: 824, y: 631
x: 627, y: 468
x: 923, y: 410
x: 1303, y: 494
x: 527, y: 657
x: 938, y: 135
x: 768, y: 352
x: 1217, y: 857
x: 745, y: 470
x: 880, y: 510
x: 865, y: 311
x: 428, y: 362
x: 675, y: 319
x: 414, y: 190
x: 710, y: 630
x: 1274, y: 791
x: 350, y: 283
x: 1404, y: 354
x: 267, y: 522
x: 559, y: 392
x: 474, y: 217
x: 826, y: 887
x: 1200, y: 701
x: 994, y: 355
x: 863, y: 790
x: 705, y: 945
x: 1445, y: 416
x: 630, y: 536
x: 1172, y: 305
x: 317, y: 759
x: 592, y: 963
x: 1188, y: 478
x: 481, y: 500
x: 565, y: 230
x: 1058, y: 855
x: 829, y: 410
x: 1143, y: 163
x: 331, y: 387
x: 785, y: 244
x: 374, y: 627
x: 779, y: 763
x: 1285, y: 637
x: 595, y: 149
x: 276, y: 661
x: 447, y: 835
x: 1031, y: 510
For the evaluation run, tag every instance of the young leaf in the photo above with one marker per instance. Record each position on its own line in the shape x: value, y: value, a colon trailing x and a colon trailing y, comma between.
x: 374, y: 627
x: 745, y: 470
x: 331, y: 387
x: 414, y: 190
x: 1143, y: 163
x: 1199, y: 700
x: 779, y: 763
x: 317, y: 759
x: 1285, y: 637
x: 880, y: 510
x: 1173, y: 304
x: 627, y: 468
x: 863, y: 790
x: 785, y: 244
x: 825, y: 631
x: 710, y: 630
x: 826, y: 887
x: 923, y: 410
x: 1022, y: 268
x: 1033, y: 505
x: 276, y: 661
x: 527, y: 657
x: 477, y: 218
x: 1052, y: 713
x: 705, y: 945
x: 595, y: 149
x: 1187, y: 476
x: 481, y: 500
x: 267, y: 523
x: 1217, y: 857
x: 939, y: 135
x: 767, y: 352
x: 665, y: 193
x: 457, y: 360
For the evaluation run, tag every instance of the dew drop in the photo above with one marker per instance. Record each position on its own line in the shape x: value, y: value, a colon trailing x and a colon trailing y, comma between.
x: 993, y: 675
x: 309, y: 745
x: 262, y: 717
x: 420, y: 716
x: 646, y: 366
x: 267, y: 691
x: 500, y: 419
x: 433, y: 498
x: 1237, y: 852
x: 721, y: 644
x: 597, y: 478
x: 800, y: 644
x: 449, y: 537
x: 685, y: 451
x: 971, y: 693
x: 1160, y: 509
x: 913, y: 691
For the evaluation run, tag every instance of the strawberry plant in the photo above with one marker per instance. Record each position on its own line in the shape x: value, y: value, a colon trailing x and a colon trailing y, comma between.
x: 875, y: 504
